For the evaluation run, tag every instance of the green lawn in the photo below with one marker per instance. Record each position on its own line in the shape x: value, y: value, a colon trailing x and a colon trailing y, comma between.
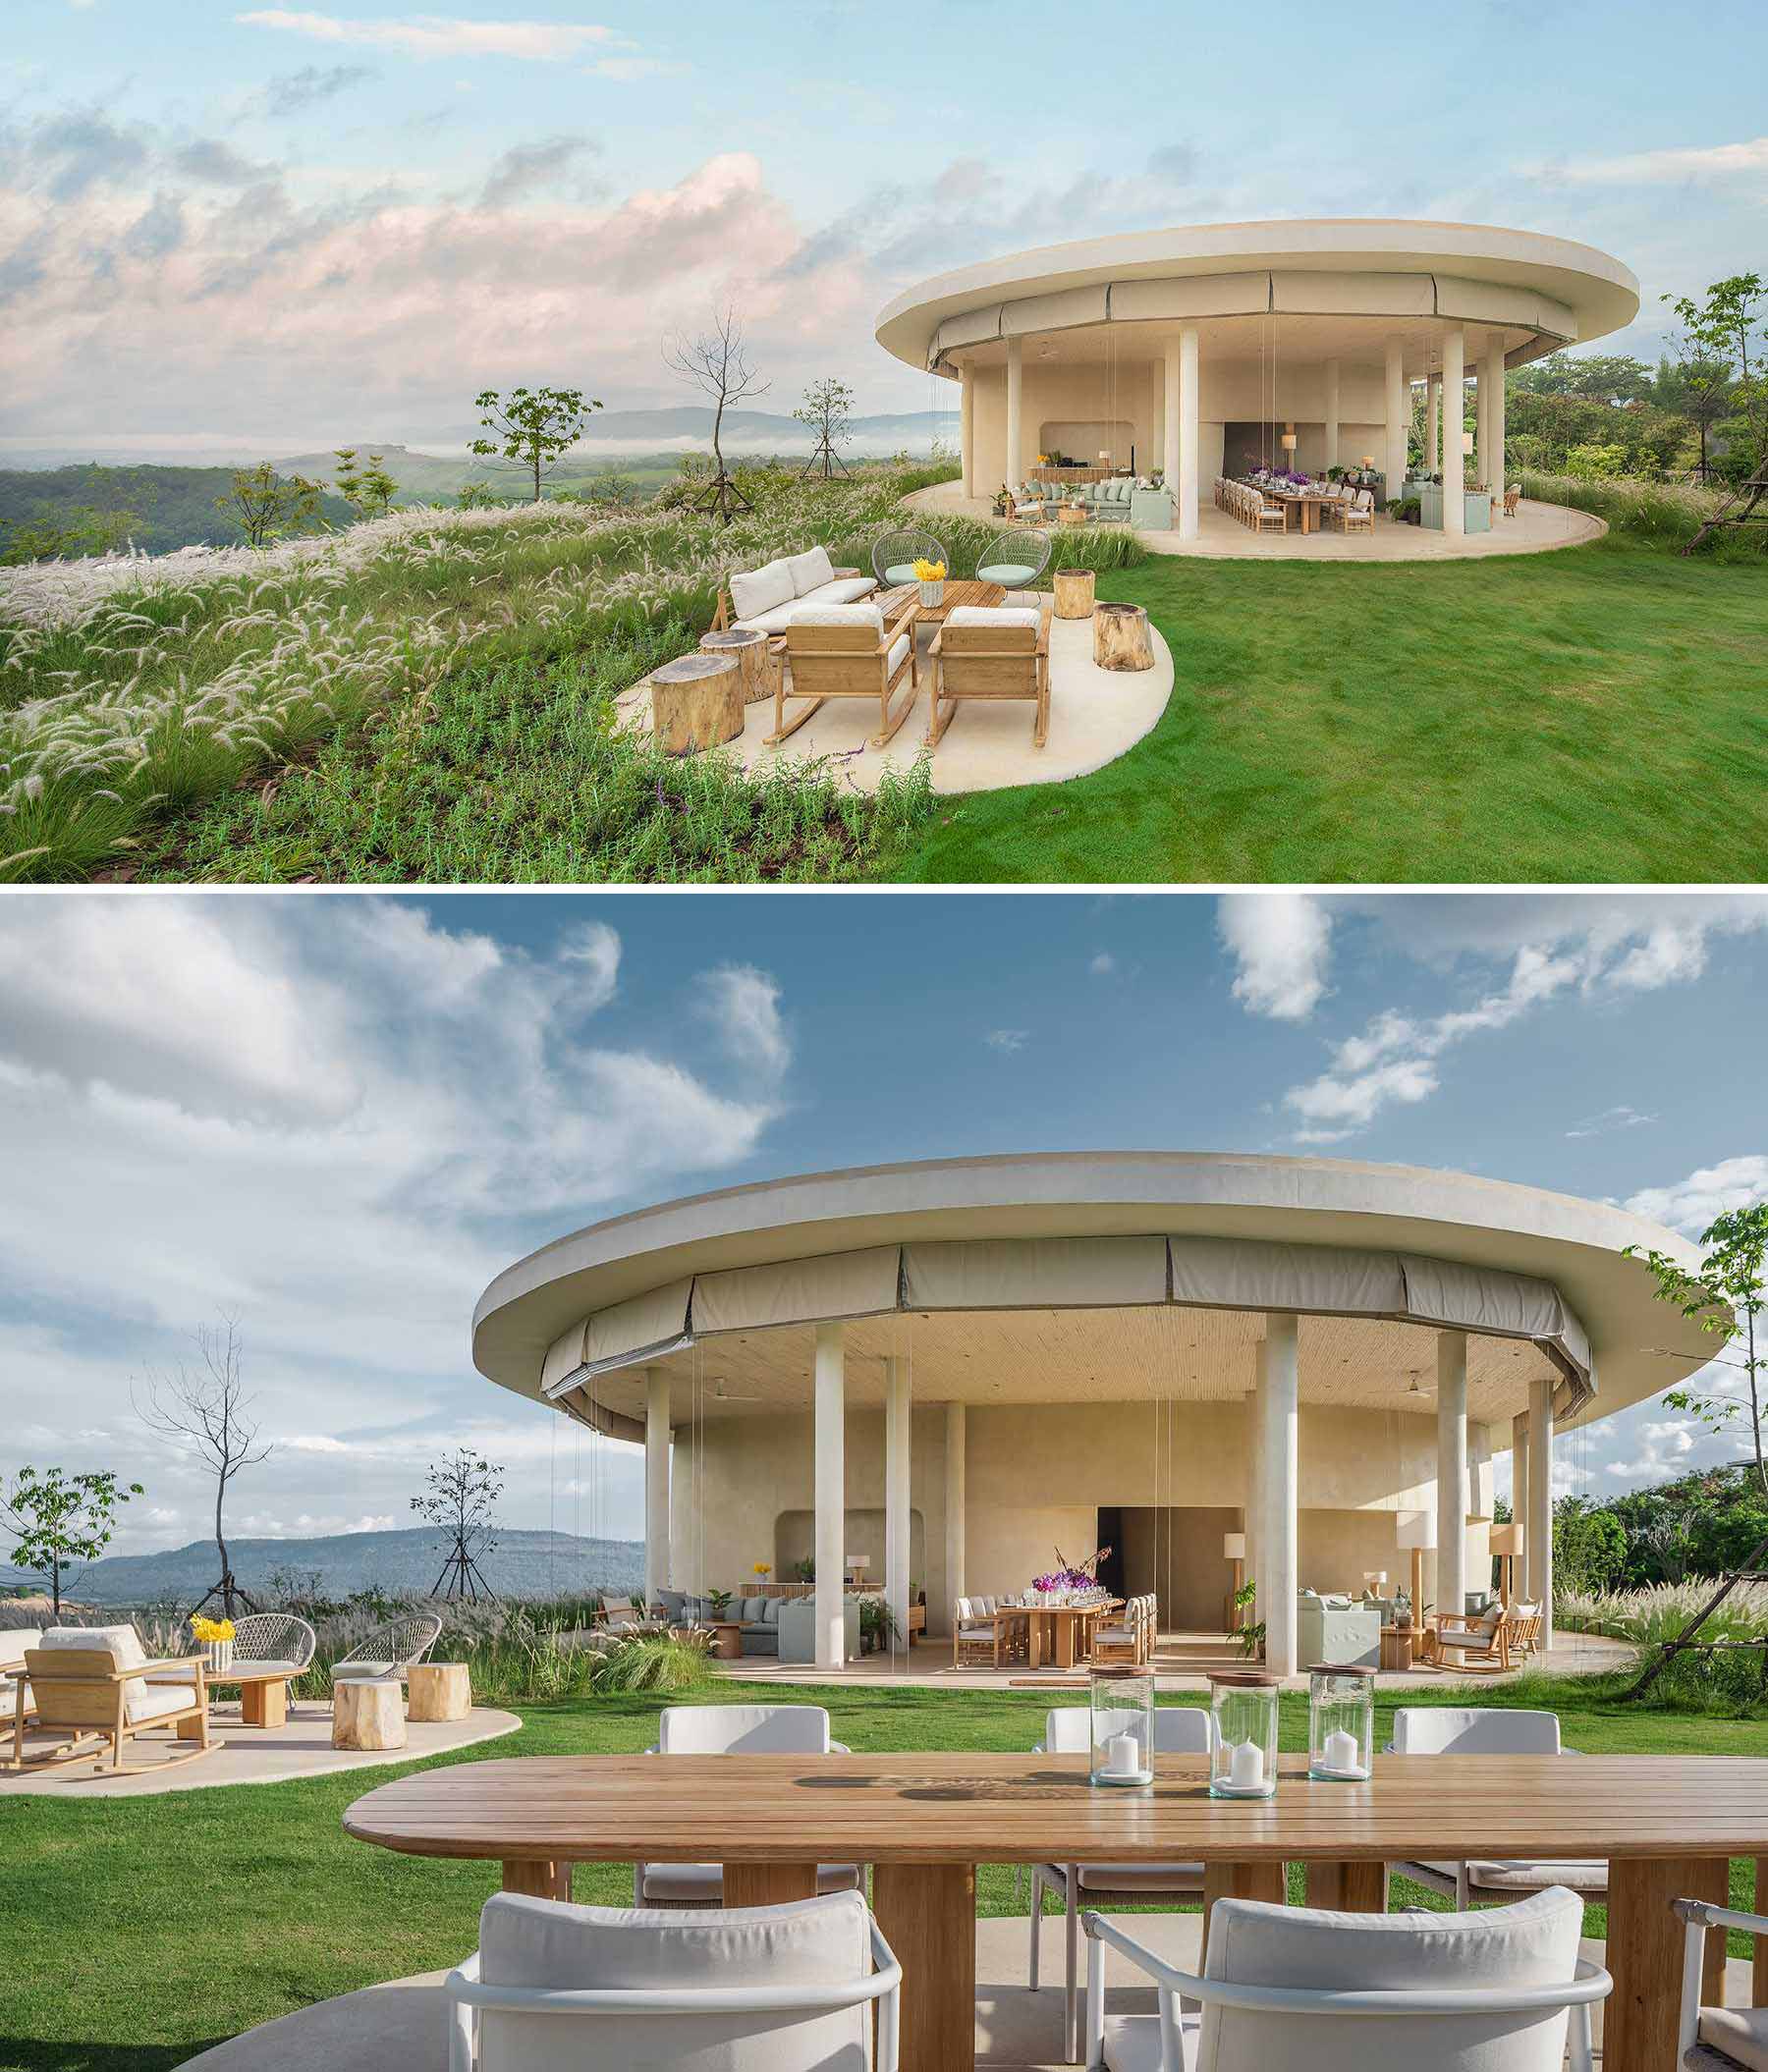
x: 138, y: 1931
x: 1595, y: 714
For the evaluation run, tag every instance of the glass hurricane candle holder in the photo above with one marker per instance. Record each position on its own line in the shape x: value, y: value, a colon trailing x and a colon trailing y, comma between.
x: 1243, y: 1740
x: 1121, y: 1699
x: 1340, y: 1722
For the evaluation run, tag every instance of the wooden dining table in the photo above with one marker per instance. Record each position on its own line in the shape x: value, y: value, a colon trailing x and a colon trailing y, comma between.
x: 1062, y: 1634
x: 1667, y: 1825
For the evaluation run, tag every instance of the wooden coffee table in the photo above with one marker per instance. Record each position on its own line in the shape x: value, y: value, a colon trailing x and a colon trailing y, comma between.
x: 1395, y: 1646
x: 727, y: 1639
x: 263, y: 1691
x: 956, y: 593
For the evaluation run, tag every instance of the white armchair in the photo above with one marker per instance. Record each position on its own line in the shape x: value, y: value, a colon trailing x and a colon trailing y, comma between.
x: 732, y: 1730
x: 1179, y: 1730
x: 552, y: 1988
x: 1295, y: 1989
x: 1717, y: 2039
x: 1490, y: 1730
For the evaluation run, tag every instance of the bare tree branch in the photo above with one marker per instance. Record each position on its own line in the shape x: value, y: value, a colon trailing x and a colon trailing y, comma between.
x: 717, y: 363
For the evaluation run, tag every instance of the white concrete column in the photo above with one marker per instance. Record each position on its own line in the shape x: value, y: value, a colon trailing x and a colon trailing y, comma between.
x: 1332, y: 412
x: 967, y: 426
x: 1538, y: 1546
x: 1452, y: 1471
x: 1491, y: 419
x: 831, y: 1493
x: 1170, y: 459
x: 1455, y: 370
x: 657, y: 1483
x: 954, y: 1506
x: 1519, y: 1491
x: 1016, y: 459
x: 898, y: 1411
x: 1278, y: 1392
x: 1255, y: 1506
x: 1399, y: 418
x: 1187, y: 432
x: 1433, y: 423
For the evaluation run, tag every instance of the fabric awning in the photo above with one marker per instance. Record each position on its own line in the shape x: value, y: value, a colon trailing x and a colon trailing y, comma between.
x: 1035, y: 1273
x: 799, y: 1291
x: 629, y: 1333
x: 1246, y: 1273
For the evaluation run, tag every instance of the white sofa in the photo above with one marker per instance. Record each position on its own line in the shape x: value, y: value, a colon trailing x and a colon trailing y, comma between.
x: 764, y: 599
x: 13, y: 1643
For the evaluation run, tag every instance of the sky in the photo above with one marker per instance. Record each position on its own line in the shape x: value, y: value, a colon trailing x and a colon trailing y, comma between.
x: 336, y: 1118
x: 291, y: 226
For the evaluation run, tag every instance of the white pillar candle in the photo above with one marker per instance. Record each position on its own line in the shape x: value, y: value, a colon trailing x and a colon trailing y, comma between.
x: 1246, y: 1766
x: 1123, y: 1754
x: 1340, y: 1750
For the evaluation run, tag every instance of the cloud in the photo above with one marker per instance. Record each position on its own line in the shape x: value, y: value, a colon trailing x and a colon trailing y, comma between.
x: 1282, y: 942
x: 217, y: 164
x: 528, y: 169
x: 1676, y: 165
x: 1103, y: 964
x: 1622, y: 1118
x: 1175, y: 164
x: 1690, y: 1205
x: 295, y: 93
x: 438, y: 36
x: 80, y: 150
x: 1007, y: 1039
x: 744, y: 1006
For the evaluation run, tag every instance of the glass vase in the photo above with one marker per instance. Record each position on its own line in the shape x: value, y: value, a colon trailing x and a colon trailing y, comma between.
x: 1243, y: 1740
x: 1121, y: 1699
x: 1341, y: 1724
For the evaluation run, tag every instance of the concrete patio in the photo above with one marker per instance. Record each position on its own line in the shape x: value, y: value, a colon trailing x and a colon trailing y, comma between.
x: 402, y: 2023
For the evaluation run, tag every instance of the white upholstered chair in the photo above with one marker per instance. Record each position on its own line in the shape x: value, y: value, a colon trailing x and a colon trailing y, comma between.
x: 1179, y: 1730
x: 1717, y: 2039
x: 97, y: 1684
x: 733, y: 1730
x: 1295, y: 1990
x: 1489, y: 1731
x: 785, y: 1988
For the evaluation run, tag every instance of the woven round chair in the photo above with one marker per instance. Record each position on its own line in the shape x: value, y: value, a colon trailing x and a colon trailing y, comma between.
x: 1014, y: 560
x: 275, y: 1637
x: 894, y: 555
x: 391, y: 1650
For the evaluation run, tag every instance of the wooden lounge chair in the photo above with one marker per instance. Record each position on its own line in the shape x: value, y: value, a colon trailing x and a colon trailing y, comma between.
x: 1513, y: 496
x: 846, y: 651
x: 999, y: 651
x: 98, y: 1685
x: 1479, y: 1641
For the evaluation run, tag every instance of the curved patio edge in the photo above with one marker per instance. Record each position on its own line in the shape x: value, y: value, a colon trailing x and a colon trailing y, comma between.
x: 300, y: 1748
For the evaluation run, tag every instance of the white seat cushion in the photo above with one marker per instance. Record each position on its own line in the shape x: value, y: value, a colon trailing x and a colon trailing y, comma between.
x: 240, y: 1666
x: 14, y: 1640
x: 992, y: 614
x: 839, y: 614
x: 760, y: 591
x: 1511, y: 1875
x: 742, y: 1729
x: 982, y: 1633
x: 548, y: 1945
x: 1741, y: 2032
x: 163, y: 1699
x: 123, y: 1644
x: 1141, y: 1878
x: 810, y: 571
x: 9, y: 1699
x: 703, y: 1884
x: 845, y: 589
x: 774, y: 620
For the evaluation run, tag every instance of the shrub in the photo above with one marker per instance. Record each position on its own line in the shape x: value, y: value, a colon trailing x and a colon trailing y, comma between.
x: 651, y: 1662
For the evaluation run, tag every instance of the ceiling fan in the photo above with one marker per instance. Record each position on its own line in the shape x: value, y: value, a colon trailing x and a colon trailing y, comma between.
x: 720, y: 1394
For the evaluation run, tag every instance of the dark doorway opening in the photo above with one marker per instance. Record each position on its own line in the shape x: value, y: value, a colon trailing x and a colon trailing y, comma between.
x: 1111, y: 1535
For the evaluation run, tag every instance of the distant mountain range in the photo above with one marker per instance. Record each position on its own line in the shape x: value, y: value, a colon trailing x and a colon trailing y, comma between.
x: 525, y: 1565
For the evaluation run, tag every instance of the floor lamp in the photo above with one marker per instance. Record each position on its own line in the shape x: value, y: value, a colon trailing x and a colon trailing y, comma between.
x: 1416, y: 1531
x: 1233, y: 1548
x: 1507, y: 1545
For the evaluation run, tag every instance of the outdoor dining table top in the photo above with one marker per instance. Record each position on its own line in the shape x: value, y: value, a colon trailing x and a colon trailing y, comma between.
x: 995, y: 1808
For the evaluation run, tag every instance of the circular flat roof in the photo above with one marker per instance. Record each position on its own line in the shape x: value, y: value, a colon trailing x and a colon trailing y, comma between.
x: 1459, y: 1218
x: 1600, y: 291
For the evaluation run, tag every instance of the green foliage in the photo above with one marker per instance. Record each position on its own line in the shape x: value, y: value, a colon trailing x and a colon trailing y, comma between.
x: 1725, y: 337
x: 59, y: 1521
x: 1590, y: 1545
x: 368, y: 490
x: 1593, y: 463
x: 535, y: 428
x: 827, y: 409
x: 68, y: 534
x: 266, y: 508
x: 652, y: 1661
x: 154, y: 508
x: 1601, y: 376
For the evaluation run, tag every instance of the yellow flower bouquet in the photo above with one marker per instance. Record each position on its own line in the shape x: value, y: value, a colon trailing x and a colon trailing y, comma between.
x: 762, y: 1569
x: 215, y: 1636
x: 931, y: 574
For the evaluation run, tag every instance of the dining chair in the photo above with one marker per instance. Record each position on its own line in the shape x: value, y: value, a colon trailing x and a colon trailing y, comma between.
x: 1717, y: 2039
x: 1489, y: 1731
x: 733, y: 1730
x: 1179, y: 1730
x: 1298, y: 1990
x: 778, y: 1988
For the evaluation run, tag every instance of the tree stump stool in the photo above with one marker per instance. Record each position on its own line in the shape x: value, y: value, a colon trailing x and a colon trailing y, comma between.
x: 1121, y: 638
x: 440, y: 1690
x: 697, y: 702
x: 1074, y: 593
x: 368, y: 1712
x: 749, y: 647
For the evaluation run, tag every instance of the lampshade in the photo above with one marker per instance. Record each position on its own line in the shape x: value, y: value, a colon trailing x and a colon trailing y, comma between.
x: 1467, y: 442
x: 1288, y: 442
x: 1414, y: 1528
x: 858, y: 1560
x: 1104, y: 453
x: 1234, y: 1547
x: 1507, y: 1538
x: 1375, y: 1578
x: 1368, y: 460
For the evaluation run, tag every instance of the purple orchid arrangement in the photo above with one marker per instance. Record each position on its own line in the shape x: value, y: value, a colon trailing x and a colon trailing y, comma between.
x: 1063, y: 1580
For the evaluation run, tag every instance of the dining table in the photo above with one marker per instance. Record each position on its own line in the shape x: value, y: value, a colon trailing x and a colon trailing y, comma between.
x: 1668, y: 1827
x: 1062, y: 1634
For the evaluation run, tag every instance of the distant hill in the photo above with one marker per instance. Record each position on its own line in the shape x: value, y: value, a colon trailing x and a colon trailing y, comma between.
x: 525, y: 1564
x: 171, y: 507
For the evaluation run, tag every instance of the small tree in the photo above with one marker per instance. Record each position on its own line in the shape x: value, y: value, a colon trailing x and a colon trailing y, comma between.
x: 267, y: 508
x: 827, y: 409
x: 206, y: 1412
x: 62, y: 1521
x: 1590, y: 1545
x: 1727, y: 331
x: 533, y: 427
x: 717, y: 363
x: 459, y: 1498
x: 369, y: 491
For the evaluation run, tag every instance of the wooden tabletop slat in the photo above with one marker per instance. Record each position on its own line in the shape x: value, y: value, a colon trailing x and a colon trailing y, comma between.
x: 986, y: 1807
